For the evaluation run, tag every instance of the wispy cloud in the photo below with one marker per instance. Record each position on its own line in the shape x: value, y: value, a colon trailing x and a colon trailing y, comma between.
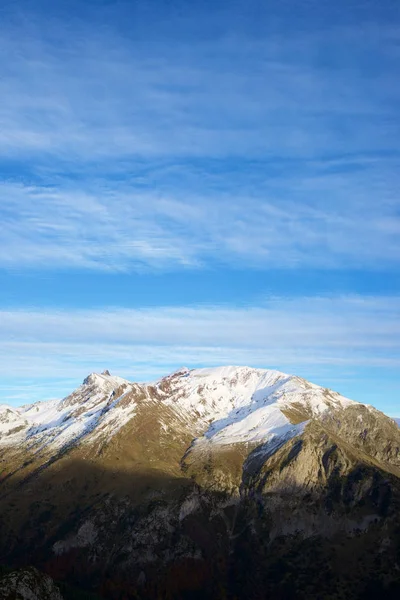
x: 354, y: 321
x: 95, y: 94
x: 124, y: 153
x: 326, y: 221
x: 310, y: 336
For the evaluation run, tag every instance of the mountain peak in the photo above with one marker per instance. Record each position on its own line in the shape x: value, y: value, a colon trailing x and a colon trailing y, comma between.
x: 97, y: 378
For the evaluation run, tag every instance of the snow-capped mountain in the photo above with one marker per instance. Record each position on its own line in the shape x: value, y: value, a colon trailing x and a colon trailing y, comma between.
x: 217, y: 482
x: 227, y: 405
x: 57, y: 423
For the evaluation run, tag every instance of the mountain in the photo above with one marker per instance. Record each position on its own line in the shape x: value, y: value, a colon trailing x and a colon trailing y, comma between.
x: 229, y: 482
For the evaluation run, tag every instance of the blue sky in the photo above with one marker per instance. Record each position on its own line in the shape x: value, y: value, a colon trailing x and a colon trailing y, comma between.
x: 197, y: 183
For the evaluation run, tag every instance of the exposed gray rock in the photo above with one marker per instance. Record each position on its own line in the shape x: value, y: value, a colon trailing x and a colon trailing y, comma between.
x: 28, y: 584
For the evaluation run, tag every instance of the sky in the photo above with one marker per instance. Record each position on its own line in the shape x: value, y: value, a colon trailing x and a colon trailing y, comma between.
x: 197, y: 184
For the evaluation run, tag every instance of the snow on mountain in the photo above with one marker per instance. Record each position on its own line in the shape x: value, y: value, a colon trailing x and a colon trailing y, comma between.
x: 203, y: 464
x: 60, y: 422
x: 11, y: 423
x: 241, y: 404
x: 221, y: 406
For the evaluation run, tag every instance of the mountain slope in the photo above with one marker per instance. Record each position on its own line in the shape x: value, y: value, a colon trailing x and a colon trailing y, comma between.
x: 227, y: 405
x: 167, y: 489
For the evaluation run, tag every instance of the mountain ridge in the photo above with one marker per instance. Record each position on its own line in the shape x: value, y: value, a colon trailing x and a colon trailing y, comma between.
x: 92, y: 397
x: 197, y: 482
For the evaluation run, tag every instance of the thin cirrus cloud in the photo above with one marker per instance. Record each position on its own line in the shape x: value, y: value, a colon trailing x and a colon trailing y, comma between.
x: 96, y: 93
x: 310, y: 336
x: 233, y: 142
x: 136, y: 154
x: 130, y: 228
x: 353, y: 321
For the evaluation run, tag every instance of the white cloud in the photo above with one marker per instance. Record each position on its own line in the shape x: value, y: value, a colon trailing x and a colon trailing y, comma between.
x: 354, y: 322
x: 326, y: 221
x: 97, y: 94
x: 316, y: 337
x: 229, y: 149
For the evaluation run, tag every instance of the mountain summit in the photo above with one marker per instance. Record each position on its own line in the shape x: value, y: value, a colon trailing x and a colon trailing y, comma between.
x: 229, y: 482
x: 223, y: 405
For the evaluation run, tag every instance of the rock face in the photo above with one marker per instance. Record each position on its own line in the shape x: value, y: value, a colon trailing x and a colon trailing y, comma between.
x: 28, y: 584
x: 227, y: 483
